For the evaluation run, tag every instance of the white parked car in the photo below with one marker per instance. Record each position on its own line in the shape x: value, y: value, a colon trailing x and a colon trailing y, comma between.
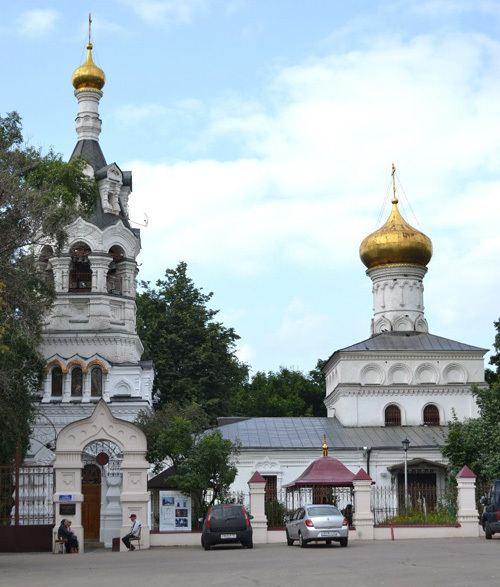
x: 317, y: 522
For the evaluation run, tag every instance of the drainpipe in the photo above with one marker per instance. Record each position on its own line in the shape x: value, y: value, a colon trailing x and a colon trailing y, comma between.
x: 367, y: 451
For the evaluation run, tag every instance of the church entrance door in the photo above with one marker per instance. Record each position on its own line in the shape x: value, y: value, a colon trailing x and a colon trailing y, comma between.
x: 91, y: 507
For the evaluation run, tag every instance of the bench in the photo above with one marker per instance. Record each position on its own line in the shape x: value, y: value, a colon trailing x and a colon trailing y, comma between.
x: 136, y: 539
x: 59, y: 545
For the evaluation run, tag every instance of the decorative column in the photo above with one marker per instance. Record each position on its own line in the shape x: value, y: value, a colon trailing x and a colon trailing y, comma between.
x: 60, y: 269
x: 99, y: 265
x: 86, y: 386
x: 363, y: 516
x: 66, y: 396
x: 135, y: 497
x: 126, y: 270
x: 257, y: 486
x: 68, y: 489
x: 467, y: 515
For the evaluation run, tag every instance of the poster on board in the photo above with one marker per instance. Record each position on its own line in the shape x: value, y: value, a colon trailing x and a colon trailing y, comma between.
x: 175, y: 512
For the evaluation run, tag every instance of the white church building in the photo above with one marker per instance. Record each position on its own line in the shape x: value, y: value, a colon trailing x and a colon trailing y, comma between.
x: 401, y: 383
x: 90, y: 340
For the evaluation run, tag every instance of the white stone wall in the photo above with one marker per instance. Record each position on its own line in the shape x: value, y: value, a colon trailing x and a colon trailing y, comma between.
x: 359, y: 386
x: 398, y: 298
x: 358, y: 406
x: 288, y: 465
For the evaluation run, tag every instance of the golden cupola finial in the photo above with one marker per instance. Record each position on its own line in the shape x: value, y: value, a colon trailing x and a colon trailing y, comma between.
x: 88, y: 76
x: 325, y: 446
x: 396, y: 242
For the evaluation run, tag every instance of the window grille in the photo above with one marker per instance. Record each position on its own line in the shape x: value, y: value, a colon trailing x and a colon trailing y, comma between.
x: 392, y: 416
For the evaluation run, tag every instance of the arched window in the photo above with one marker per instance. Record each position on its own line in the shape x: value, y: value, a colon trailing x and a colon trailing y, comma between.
x: 431, y: 415
x: 57, y: 382
x: 113, y: 280
x: 392, y: 416
x: 96, y: 382
x: 76, y: 382
x: 80, y: 274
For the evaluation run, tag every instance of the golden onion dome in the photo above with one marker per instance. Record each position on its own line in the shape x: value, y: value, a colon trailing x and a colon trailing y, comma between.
x: 88, y: 76
x: 396, y: 243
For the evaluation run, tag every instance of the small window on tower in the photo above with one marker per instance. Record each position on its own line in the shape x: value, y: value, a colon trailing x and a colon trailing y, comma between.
x: 76, y: 382
x: 57, y: 382
x: 80, y: 275
x: 96, y: 382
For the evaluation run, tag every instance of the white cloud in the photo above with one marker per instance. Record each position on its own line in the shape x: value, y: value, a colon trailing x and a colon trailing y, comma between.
x: 320, y: 159
x: 302, y: 330
x: 318, y: 153
x: 37, y: 22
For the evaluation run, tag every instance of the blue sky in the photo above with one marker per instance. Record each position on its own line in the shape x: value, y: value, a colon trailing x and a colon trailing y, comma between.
x: 261, y: 136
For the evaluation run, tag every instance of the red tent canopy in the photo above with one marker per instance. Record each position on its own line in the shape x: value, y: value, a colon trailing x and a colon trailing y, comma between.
x: 324, y: 471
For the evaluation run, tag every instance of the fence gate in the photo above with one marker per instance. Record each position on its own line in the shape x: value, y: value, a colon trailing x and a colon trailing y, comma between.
x: 26, y: 508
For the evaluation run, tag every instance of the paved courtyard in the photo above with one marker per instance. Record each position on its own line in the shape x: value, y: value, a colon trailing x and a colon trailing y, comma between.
x: 422, y: 563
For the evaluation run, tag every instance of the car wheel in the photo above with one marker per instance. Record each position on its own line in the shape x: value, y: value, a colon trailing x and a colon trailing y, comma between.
x: 204, y: 544
x: 302, y: 542
x: 343, y: 541
x: 248, y: 544
x: 487, y: 531
x: 289, y: 541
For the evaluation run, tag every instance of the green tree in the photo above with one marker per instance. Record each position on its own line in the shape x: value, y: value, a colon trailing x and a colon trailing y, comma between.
x: 203, y: 462
x: 171, y: 432
x: 208, y: 470
x: 194, y: 355
x: 476, y: 441
x: 285, y: 393
x: 39, y: 195
x: 492, y: 376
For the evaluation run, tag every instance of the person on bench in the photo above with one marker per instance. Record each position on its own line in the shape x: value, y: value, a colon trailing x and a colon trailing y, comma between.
x: 65, y: 533
x: 135, y: 530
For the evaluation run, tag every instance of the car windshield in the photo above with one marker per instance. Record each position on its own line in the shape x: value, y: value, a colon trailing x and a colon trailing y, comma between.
x: 317, y: 511
x: 227, y: 511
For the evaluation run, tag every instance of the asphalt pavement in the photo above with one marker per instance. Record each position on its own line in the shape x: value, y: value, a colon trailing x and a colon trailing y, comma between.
x: 423, y: 563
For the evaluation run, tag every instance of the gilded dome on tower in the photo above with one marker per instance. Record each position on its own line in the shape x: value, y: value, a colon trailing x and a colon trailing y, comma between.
x: 88, y: 76
x: 396, y: 243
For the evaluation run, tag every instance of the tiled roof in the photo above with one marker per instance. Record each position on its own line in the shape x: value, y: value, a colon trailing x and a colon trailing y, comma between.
x: 409, y: 341
x: 91, y: 152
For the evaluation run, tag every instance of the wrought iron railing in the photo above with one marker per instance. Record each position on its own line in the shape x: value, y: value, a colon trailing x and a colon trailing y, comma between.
x: 26, y: 495
x: 423, y: 499
x: 80, y: 281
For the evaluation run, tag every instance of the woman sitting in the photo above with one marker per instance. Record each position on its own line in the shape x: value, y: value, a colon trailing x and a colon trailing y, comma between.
x: 65, y: 533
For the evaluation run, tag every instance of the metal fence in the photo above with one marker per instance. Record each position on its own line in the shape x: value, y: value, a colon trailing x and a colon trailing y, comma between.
x: 26, y: 495
x: 424, y: 499
x: 280, y: 509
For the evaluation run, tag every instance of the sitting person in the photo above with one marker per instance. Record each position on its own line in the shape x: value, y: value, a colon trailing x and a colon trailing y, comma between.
x: 65, y: 533
x: 347, y: 512
x: 135, y: 530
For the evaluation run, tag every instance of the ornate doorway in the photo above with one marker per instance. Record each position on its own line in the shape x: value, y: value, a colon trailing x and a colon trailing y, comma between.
x: 109, y: 454
x: 91, y: 507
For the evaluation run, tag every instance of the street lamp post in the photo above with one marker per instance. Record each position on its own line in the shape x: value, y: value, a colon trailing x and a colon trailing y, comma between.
x: 406, y: 444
